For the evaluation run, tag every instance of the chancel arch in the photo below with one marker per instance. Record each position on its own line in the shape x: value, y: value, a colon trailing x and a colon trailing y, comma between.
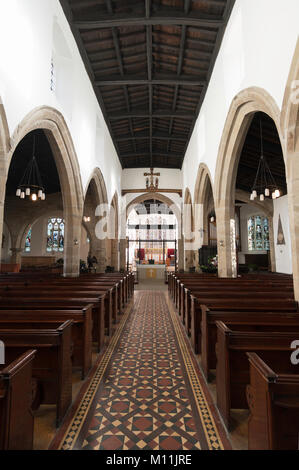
x: 50, y: 122
x: 243, y: 110
x: 174, y: 207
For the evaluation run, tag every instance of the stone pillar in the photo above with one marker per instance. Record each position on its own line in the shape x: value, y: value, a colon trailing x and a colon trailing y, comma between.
x: 181, y: 251
x: 272, y: 245
x: 292, y: 168
x: 226, y: 242
x: 122, y: 254
x: 72, y: 240
x: 99, y: 247
x: 16, y: 255
x: 114, y: 254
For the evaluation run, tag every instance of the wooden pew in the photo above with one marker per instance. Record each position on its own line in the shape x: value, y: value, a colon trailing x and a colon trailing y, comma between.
x: 237, y: 292
x: 261, y: 320
x: 232, y: 371
x: 16, y: 418
x: 52, y: 365
x: 101, y: 310
x: 273, y: 400
x: 236, y: 305
x: 81, y: 329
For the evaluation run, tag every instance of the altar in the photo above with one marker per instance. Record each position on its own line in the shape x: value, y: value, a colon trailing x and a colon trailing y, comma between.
x: 151, y: 271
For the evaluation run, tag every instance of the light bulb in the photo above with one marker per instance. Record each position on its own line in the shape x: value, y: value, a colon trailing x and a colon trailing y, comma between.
x: 277, y: 193
x: 251, y: 197
x: 27, y: 192
x: 273, y: 195
x: 34, y: 197
x: 22, y: 195
x: 40, y: 193
x: 267, y: 192
x: 18, y: 193
x: 254, y: 194
x: 43, y: 196
x: 262, y: 197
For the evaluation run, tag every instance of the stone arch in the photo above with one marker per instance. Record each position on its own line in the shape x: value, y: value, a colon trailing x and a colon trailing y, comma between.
x: 53, y: 124
x: 175, y: 209
x: 203, y: 203
x: 95, y: 196
x: 244, y: 106
x: 4, y: 150
x: 290, y: 126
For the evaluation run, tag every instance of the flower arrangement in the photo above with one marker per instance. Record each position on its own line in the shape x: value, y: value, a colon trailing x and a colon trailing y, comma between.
x: 212, y: 266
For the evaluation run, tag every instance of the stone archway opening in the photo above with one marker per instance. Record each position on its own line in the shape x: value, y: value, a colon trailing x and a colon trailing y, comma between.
x: 205, y: 217
x: 95, y: 212
x: 241, y: 115
x: 33, y: 242
x: 258, y: 221
x: 52, y: 128
x: 159, y: 218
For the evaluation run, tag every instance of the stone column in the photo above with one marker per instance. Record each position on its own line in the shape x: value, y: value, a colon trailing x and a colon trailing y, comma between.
x: 272, y: 245
x: 100, y: 254
x: 122, y: 254
x: 181, y: 252
x: 16, y: 255
x: 72, y: 240
x: 114, y: 254
x: 226, y: 242
x: 292, y: 168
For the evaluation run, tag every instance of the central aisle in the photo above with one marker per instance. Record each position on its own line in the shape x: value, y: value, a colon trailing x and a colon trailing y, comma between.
x: 146, y: 392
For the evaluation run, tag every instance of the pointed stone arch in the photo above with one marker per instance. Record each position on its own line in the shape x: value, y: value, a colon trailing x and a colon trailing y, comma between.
x: 203, y: 203
x: 53, y: 124
x: 175, y: 209
x: 290, y: 126
x: 244, y: 106
x: 95, y: 196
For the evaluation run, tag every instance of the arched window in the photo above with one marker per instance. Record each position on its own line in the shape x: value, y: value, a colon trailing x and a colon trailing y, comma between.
x: 258, y: 233
x: 55, y: 234
x: 28, y: 241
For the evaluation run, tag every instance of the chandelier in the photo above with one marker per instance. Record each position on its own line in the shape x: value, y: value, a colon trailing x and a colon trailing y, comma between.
x: 264, y: 183
x: 31, y: 184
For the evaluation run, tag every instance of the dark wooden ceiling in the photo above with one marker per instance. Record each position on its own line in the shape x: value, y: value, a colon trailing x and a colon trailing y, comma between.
x: 44, y: 158
x: 150, y: 62
x: 251, y: 153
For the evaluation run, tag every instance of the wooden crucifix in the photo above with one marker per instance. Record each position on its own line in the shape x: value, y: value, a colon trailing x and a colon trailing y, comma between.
x: 150, y: 182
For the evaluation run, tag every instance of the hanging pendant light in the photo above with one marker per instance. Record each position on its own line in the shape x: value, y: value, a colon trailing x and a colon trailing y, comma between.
x: 264, y: 183
x: 31, y: 184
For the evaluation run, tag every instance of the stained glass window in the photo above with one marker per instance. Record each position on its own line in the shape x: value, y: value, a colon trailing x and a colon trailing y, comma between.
x: 258, y: 233
x: 55, y: 234
x: 28, y: 241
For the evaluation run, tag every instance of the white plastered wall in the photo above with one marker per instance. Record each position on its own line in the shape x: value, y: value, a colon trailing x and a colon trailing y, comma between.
x: 32, y: 33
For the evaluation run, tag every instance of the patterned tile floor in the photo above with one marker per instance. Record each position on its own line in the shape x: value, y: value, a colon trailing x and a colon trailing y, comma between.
x: 146, y: 392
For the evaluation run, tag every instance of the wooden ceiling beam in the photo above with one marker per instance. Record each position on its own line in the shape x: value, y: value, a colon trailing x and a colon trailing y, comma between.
x: 172, y: 17
x: 161, y: 79
x: 156, y: 154
x: 145, y: 135
x: 146, y: 114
